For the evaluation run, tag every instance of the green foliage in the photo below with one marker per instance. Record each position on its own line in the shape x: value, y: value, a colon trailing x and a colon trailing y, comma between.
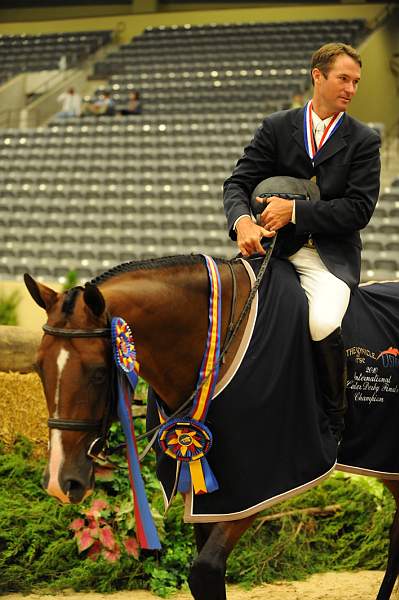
x: 71, y: 280
x: 353, y: 537
x: 8, y: 308
x: 38, y: 551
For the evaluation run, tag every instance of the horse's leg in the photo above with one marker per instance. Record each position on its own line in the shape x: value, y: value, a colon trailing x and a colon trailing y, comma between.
x: 392, y: 569
x: 202, y: 532
x: 214, y: 542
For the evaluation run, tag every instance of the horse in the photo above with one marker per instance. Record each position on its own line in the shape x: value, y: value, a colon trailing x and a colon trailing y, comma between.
x: 165, y: 301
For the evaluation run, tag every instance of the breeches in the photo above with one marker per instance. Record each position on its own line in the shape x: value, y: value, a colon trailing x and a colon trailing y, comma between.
x: 328, y: 296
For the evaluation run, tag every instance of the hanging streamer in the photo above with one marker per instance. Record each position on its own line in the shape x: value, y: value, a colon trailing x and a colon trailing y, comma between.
x: 127, y: 377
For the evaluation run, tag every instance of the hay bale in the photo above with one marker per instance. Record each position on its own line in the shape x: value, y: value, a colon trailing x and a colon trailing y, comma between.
x: 23, y: 410
x: 18, y: 348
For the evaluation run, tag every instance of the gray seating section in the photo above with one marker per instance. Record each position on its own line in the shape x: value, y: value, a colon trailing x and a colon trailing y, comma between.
x: 89, y: 196
x: 199, y: 69
x: 380, y: 257
x: 23, y: 53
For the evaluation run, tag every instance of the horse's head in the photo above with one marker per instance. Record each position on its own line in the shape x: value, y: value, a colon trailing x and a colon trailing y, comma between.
x: 74, y: 363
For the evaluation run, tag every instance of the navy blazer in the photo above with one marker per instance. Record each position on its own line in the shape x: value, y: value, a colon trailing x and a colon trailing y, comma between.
x: 347, y: 171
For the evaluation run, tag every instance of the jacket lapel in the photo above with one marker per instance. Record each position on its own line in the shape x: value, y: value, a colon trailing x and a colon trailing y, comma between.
x: 297, y: 129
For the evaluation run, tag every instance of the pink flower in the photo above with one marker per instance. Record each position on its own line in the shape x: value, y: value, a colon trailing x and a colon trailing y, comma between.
x: 106, y: 537
x: 84, y: 539
x: 77, y: 524
x: 96, y: 508
x: 132, y: 546
x: 112, y: 555
x: 94, y: 551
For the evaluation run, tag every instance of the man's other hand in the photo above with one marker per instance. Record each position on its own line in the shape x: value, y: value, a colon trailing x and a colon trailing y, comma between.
x: 249, y: 235
x: 277, y: 214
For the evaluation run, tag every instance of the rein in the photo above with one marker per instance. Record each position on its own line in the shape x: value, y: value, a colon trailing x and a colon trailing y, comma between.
x: 103, y: 424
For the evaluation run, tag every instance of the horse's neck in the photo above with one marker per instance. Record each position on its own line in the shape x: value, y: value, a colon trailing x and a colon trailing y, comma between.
x: 167, y: 310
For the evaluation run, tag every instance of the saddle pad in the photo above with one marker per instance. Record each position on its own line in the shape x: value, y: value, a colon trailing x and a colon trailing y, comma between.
x: 271, y: 439
x: 371, y: 329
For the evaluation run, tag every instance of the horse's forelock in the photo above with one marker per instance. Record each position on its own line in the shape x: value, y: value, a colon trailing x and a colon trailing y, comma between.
x: 70, y: 299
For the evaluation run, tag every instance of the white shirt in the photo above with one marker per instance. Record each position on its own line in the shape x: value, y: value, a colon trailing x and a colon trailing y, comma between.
x: 71, y: 103
x: 319, y: 126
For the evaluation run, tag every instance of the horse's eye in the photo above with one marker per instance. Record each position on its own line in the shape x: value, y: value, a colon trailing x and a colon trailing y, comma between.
x: 99, y: 376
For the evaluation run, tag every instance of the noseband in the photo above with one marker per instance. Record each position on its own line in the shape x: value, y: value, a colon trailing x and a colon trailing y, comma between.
x: 98, y: 446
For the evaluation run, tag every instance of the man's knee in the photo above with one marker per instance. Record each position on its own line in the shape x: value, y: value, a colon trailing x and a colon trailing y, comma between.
x: 322, y: 328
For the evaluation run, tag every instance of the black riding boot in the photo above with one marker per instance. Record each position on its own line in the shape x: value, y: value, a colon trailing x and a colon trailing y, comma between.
x: 330, y: 359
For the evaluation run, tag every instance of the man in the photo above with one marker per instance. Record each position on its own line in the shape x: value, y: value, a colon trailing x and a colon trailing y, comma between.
x: 71, y: 104
x: 321, y: 239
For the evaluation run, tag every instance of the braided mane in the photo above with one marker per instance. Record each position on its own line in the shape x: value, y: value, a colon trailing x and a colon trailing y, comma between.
x: 153, y: 263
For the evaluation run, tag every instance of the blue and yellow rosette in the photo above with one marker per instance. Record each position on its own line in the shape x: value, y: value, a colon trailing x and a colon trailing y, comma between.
x: 124, y: 349
x: 188, y: 441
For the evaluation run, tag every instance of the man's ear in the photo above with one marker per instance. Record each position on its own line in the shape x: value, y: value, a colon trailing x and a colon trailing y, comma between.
x: 94, y: 299
x: 317, y: 75
x: 44, y: 296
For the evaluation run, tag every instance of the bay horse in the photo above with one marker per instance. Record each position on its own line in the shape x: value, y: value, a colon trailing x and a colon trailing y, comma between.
x: 165, y: 301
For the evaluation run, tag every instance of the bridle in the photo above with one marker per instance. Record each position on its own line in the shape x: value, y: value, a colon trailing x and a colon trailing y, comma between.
x: 98, y: 448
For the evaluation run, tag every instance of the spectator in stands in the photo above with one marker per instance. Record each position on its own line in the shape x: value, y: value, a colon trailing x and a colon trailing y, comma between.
x: 70, y: 104
x: 134, y: 106
x: 104, y: 105
x: 321, y: 240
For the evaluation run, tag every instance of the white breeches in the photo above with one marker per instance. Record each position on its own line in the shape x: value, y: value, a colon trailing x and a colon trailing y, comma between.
x: 328, y: 296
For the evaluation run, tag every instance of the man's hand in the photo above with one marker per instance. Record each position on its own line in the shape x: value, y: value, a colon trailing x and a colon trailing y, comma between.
x: 277, y: 213
x: 249, y: 236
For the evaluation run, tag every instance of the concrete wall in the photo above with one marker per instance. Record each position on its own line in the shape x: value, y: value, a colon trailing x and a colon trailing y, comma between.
x: 12, y: 100
x: 377, y: 98
x: 30, y: 316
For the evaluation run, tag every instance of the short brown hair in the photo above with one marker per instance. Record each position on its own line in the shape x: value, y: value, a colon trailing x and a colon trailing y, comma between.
x: 324, y: 57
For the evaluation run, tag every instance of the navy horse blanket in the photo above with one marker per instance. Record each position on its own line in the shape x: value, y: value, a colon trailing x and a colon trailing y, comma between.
x: 271, y: 438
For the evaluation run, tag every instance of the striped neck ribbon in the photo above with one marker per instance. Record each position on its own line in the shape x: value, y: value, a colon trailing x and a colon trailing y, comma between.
x: 188, y: 439
x: 310, y: 143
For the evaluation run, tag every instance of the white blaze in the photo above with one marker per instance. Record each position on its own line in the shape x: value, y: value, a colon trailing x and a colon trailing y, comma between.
x: 56, y: 458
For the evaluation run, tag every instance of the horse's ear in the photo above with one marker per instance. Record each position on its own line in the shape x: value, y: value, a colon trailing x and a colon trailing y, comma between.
x: 94, y: 299
x: 44, y: 296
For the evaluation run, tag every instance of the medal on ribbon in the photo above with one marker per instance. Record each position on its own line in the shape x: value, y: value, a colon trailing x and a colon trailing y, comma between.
x: 310, y: 143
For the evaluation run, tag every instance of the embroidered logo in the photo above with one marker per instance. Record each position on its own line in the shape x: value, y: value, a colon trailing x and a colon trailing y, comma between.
x: 389, y: 357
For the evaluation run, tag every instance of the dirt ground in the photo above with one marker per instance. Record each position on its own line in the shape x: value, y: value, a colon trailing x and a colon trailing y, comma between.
x: 360, y: 585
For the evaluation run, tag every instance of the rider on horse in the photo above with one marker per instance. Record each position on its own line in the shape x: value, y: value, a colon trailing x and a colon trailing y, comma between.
x: 320, y: 239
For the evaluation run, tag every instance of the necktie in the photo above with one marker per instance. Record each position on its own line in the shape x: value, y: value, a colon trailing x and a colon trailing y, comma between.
x: 318, y: 134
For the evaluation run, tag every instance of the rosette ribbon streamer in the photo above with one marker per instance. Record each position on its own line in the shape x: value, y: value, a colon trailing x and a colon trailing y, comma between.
x: 127, y: 378
x: 188, y: 439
